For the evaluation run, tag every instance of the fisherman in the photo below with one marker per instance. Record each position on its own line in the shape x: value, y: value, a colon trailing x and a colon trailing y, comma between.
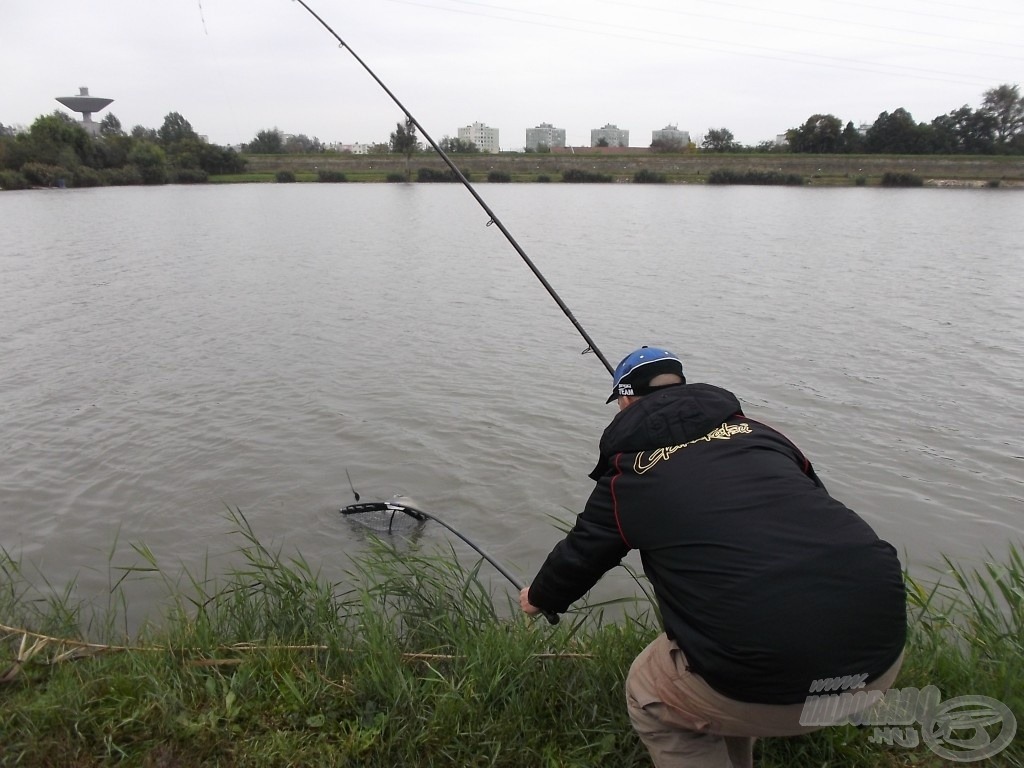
x: 768, y: 588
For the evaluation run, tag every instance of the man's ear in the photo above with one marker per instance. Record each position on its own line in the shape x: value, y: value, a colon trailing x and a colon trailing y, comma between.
x: 626, y: 400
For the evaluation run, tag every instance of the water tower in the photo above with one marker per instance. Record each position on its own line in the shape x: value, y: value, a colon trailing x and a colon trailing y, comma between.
x: 85, y: 104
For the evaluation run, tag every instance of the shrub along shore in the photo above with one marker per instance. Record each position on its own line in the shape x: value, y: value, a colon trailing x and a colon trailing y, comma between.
x: 412, y: 661
x: 1005, y: 171
x: 620, y: 167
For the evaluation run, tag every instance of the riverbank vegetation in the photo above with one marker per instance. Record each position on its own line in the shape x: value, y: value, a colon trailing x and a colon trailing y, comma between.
x: 762, y: 178
x: 981, y: 147
x: 56, y: 151
x: 1002, y: 171
x: 413, y: 659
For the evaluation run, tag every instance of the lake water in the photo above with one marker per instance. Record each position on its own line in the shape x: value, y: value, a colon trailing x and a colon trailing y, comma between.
x: 170, y: 353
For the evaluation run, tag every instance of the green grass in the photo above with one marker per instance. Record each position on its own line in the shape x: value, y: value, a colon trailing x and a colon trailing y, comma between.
x: 411, y: 660
x: 242, y: 178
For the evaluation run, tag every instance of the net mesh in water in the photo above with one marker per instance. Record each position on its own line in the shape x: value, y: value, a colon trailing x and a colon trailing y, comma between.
x: 384, y: 517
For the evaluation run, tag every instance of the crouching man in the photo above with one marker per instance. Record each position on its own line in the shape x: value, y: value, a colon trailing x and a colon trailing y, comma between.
x: 765, y: 583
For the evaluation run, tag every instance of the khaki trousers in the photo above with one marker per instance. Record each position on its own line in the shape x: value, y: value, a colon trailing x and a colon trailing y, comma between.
x: 684, y: 722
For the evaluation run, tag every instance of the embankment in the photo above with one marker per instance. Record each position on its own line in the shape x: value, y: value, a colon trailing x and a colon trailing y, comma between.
x: 820, y: 170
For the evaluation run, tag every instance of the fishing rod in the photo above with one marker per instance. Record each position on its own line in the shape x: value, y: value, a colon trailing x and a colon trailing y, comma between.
x: 386, y: 512
x: 591, y: 346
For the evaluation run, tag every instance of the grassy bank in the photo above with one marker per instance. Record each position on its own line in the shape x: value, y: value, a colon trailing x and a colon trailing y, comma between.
x: 695, y: 168
x: 411, y: 661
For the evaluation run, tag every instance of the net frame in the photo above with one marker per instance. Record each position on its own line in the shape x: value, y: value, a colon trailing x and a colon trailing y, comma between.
x: 385, y: 516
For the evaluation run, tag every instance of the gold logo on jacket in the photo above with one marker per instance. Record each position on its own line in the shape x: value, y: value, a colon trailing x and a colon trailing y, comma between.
x: 646, y: 461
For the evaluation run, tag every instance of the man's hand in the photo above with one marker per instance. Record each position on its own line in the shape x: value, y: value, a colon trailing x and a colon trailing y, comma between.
x: 524, y: 602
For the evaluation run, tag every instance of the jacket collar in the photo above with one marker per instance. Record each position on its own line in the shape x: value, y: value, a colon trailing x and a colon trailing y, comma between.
x: 670, y: 416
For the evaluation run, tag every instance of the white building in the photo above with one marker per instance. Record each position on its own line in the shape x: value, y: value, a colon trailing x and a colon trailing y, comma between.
x: 671, y: 134
x: 486, y: 139
x: 612, y: 134
x: 546, y: 135
x: 352, y: 149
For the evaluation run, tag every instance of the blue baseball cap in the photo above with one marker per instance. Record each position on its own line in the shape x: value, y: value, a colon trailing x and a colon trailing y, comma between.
x: 633, y: 374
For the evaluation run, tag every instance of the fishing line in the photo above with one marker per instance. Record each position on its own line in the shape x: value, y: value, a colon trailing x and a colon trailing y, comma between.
x: 591, y: 346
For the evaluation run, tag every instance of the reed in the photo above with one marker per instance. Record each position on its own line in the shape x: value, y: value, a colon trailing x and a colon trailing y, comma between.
x: 412, y: 659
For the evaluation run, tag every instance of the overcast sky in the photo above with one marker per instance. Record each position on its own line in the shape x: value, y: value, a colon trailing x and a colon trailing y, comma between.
x: 235, y: 67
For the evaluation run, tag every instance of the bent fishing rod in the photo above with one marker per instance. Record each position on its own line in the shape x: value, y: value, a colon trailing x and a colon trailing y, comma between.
x: 406, y: 506
x: 591, y: 346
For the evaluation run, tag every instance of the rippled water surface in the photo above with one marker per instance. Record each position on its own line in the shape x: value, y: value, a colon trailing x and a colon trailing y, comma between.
x: 171, y: 353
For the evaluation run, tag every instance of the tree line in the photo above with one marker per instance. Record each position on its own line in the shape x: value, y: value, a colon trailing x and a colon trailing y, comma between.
x: 996, y: 127
x: 56, y: 150
x: 403, y: 140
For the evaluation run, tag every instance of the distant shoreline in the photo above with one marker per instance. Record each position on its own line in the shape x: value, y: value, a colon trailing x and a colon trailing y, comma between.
x: 968, y: 171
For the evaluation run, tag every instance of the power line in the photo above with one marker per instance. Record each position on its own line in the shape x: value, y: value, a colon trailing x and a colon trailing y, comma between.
x: 692, y: 41
x: 1000, y: 23
x: 776, y: 12
x: 865, y: 24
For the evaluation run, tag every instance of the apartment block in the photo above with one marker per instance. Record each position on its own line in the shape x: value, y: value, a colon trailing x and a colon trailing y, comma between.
x: 545, y: 135
x: 612, y: 134
x: 486, y: 139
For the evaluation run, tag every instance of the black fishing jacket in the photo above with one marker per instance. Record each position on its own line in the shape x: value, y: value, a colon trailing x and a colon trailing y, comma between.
x: 765, y: 581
